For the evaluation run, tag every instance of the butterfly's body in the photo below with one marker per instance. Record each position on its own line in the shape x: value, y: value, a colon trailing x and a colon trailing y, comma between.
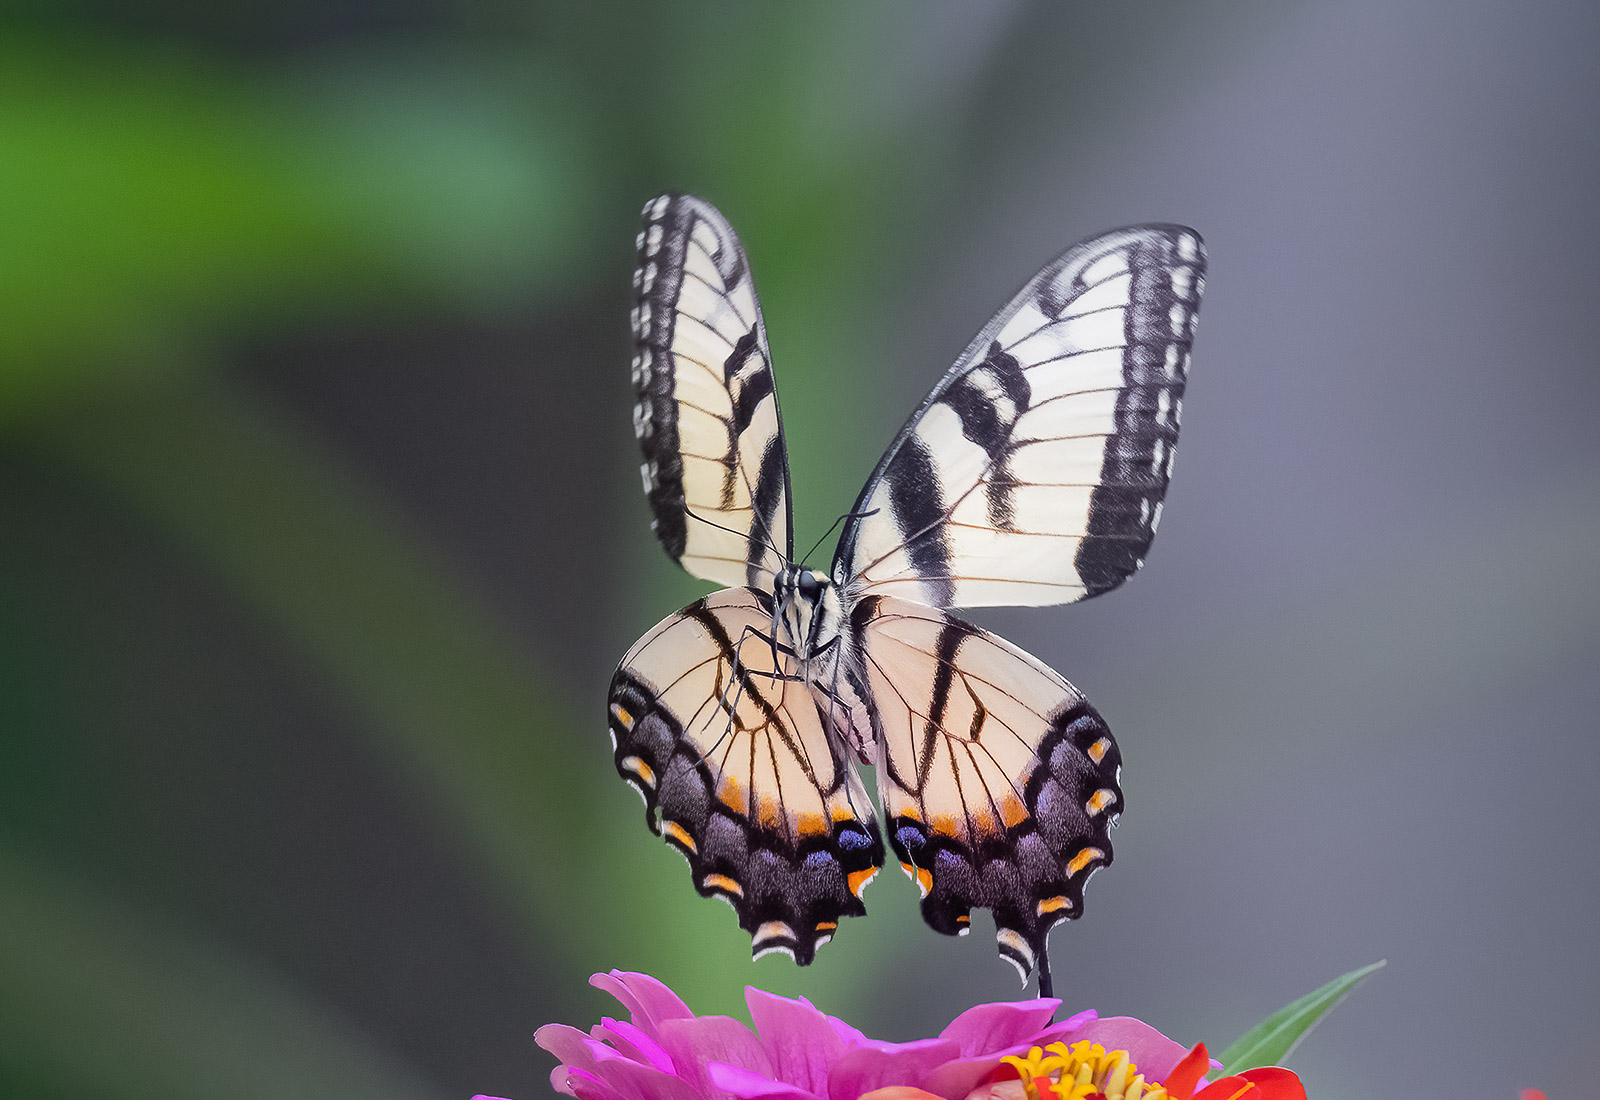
x: 1033, y: 474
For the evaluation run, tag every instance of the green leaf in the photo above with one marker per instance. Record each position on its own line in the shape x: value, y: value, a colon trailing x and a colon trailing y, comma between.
x: 1272, y: 1040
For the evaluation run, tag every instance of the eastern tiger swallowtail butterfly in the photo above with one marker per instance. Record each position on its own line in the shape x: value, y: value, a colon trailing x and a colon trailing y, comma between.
x: 1033, y: 474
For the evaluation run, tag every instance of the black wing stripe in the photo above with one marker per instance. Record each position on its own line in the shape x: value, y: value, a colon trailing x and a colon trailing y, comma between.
x: 1139, y: 452
x: 767, y: 497
x: 917, y: 498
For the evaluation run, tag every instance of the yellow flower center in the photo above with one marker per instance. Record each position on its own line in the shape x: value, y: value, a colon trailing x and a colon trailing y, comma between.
x: 1083, y: 1071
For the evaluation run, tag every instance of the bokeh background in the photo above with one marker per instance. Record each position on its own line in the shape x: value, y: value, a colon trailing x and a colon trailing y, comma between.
x: 320, y: 530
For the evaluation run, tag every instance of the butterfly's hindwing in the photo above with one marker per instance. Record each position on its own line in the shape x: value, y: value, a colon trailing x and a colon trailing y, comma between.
x: 1035, y: 471
x: 706, y: 411
x: 728, y: 749
x: 999, y: 781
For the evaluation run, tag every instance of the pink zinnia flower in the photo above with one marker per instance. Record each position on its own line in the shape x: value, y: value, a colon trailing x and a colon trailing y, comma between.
x: 1003, y: 1051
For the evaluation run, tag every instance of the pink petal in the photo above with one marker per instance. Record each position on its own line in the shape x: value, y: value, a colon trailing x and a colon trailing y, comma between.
x: 633, y: 1042
x: 695, y: 1042
x: 956, y: 1078
x: 634, y: 1081
x: 801, y: 1042
x: 850, y: 1035
x: 876, y: 1065
x: 581, y: 1084
x: 1056, y: 1032
x: 991, y: 1027
x: 648, y: 1001
x: 747, y: 1085
x: 1154, y: 1053
x: 569, y: 1044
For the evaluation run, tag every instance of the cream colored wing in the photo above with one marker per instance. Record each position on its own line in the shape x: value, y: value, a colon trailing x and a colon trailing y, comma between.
x: 999, y: 781
x: 714, y: 728
x: 1035, y: 471
x: 706, y: 412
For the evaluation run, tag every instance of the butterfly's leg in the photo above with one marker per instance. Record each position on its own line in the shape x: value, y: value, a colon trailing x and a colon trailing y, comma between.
x: 779, y: 607
x: 736, y: 678
x: 736, y: 675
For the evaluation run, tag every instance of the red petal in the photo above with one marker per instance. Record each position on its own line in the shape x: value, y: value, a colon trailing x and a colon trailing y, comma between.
x: 1275, y: 1083
x: 1532, y: 1094
x: 1266, y: 1083
x: 1187, y: 1073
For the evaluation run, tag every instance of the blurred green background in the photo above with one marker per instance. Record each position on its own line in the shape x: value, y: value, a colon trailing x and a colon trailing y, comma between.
x: 320, y: 529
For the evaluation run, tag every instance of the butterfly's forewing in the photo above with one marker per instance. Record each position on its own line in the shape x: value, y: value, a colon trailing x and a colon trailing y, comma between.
x: 998, y: 779
x: 706, y: 412
x: 714, y: 728
x: 1035, y: 471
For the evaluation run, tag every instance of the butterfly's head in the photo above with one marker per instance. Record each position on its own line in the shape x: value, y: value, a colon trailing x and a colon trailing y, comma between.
x: 808, y: 610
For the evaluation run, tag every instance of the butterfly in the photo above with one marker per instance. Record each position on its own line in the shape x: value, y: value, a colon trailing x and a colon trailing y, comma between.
x: 1032, y: 474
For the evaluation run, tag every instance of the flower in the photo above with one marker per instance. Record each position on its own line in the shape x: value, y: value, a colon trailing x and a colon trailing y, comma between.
x: 1088, y: 1071
x: 1003, y: 1051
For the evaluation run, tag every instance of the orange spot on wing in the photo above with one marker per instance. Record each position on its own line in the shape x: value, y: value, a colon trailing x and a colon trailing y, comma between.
x: 731, y: 794
x: 1012, y: 811
x: 857, y: 880
x: 1052, y: 905
x: 812, y: 824
x: 1084, y: 857
x: 1099, y: 801
x: 1098, y: 750
x: 678, y: 833
x: 921, y: 876
x: 827, y: 925
x: 767, y: 812
x: 725, y: 884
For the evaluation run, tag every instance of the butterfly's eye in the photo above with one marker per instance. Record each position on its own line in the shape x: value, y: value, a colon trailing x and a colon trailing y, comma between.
x: 810, y: 583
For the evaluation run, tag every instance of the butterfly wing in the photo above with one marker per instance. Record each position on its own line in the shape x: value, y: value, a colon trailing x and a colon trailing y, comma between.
x: 715, y: 470
x: 1035, y: 471
x: 717, y: 731
x: 998, y: 779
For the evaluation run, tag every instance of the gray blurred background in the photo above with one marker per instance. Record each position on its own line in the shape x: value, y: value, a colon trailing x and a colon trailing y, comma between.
x: 320, y: 530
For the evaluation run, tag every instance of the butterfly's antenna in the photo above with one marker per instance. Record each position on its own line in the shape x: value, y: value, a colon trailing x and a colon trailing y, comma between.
x: 732, y: 531
x: 1044, y: 973
x: 835, y: 527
